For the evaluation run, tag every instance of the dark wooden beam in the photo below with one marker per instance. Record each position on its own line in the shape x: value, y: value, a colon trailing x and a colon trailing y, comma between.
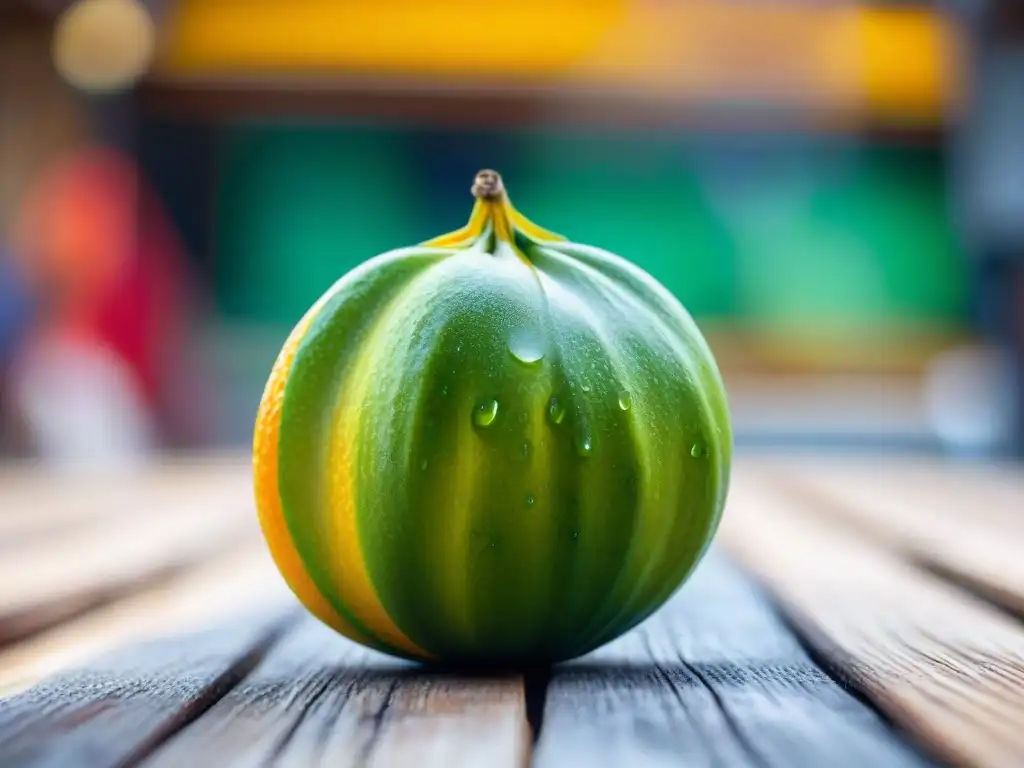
x: 492, y: 106
x: 52, y: 8
x: 23, y: 12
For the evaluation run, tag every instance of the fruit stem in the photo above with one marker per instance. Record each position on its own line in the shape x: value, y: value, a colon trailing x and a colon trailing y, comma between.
x: 489, y: 191
x: 488, y: 186
x: 495, y: 209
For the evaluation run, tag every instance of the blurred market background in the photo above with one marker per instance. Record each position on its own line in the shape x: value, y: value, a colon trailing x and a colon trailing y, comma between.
x: 834, y: 189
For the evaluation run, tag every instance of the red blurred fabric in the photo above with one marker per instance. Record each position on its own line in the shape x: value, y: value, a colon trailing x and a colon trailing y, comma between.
x: 108, y: 262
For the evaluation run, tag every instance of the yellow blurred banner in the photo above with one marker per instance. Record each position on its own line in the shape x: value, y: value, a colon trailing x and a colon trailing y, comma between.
x: 898, y: 61
x: 430, y: 37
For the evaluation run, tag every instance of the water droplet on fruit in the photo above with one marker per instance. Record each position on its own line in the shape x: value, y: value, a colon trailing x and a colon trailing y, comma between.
x: 585, y: 386
x: 423, y: 464
x: 575, y: 535
x: 524, y: 416
x: 485, y: 413
x: 526, y: 346
x: 584, y: 446
x: 444, y: 390
x: 530, y: 500
x: 697, y: 450
x: 625, y: 400
x: 524, y: 450
x: 556, y: 411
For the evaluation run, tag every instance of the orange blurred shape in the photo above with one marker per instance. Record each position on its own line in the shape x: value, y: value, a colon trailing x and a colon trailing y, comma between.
x: 76, y: 227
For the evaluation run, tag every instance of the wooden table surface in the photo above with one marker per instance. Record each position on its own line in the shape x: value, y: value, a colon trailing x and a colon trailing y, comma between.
x: 854, y: 612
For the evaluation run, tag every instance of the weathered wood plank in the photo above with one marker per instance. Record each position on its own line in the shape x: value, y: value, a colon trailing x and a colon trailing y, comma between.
x: 318, y: 699
x: 714, y: 678
x: 122, y: 704
x: 240, y: 580
x: 45, y: 584
x: 38, y: 502
x: 988, y: 478
x: 117, y: 709
x: 945, y: 665
x: 935, y: 517
x: 977, y: 490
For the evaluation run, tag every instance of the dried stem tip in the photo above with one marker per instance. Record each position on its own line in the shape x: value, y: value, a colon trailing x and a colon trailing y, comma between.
x: 488, y: 186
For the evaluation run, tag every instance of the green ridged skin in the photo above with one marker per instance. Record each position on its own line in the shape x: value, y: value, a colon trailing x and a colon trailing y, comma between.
x: 500, y: 447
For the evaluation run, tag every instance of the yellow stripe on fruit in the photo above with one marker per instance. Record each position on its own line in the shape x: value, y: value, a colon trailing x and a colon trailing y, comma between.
x: 268, y: 497
x: 348, y: 566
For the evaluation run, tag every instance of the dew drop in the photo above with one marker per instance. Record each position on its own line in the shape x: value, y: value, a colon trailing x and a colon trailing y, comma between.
x: 526, y: 346
x: 584, y: 446
x: 485, y: 413
x: 625, y: 400
x: 697, y: 450
x: 585, y: 386
x: 423, y: 464
x: 530, y: 500
x: 444, y: 390
x: 556, y: 411
x: 524, y: 450
x: 575, y: 535
x: 524, y: 416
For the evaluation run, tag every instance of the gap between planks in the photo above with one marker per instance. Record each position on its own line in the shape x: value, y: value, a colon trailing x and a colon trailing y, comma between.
x: 941, y: 663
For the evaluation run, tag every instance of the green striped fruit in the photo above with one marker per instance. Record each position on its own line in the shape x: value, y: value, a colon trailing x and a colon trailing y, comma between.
x: 498, y: 446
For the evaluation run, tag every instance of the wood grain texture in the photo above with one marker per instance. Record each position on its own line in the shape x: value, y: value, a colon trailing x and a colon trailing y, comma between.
x: 52, y: 581
x: 240, y: 580
x: 38, y: 502
x: 714, y: 678
x: 945, y: 665
x: 318, y: 699
x: 954, y: 519
x: 984, y: 491
x: 72, y: 540
x: 989, y: 494
x: 118, y: 708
